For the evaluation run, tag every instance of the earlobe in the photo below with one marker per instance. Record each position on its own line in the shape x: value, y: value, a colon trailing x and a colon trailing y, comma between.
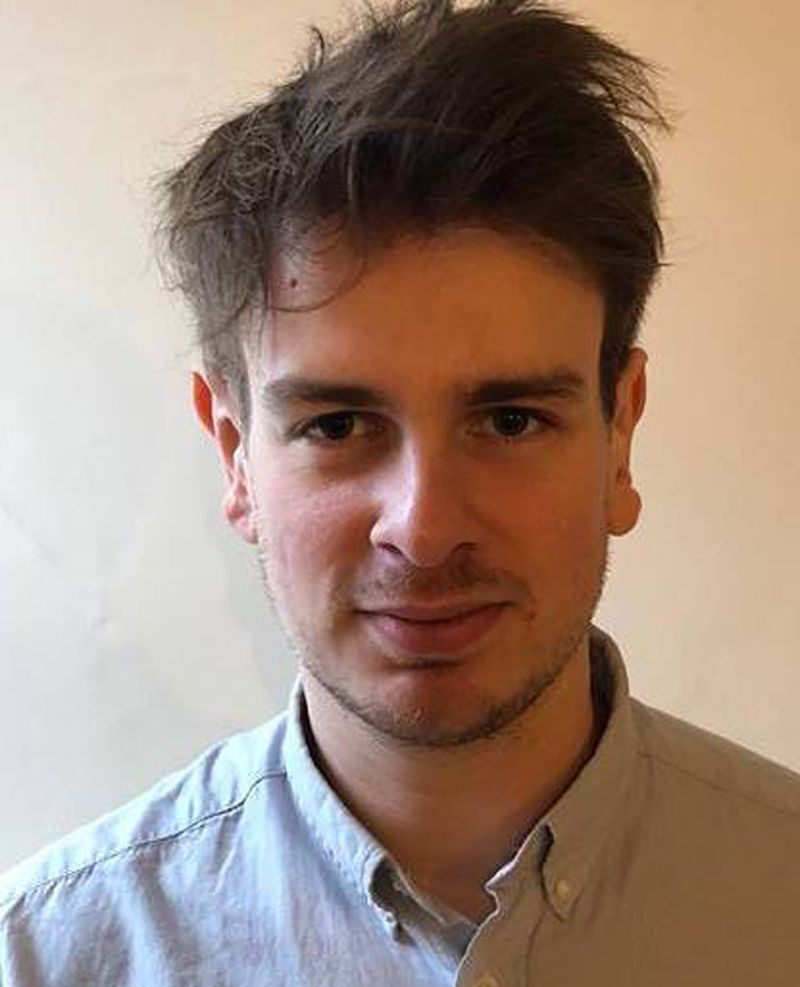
x: 237, y: 504
x: 627, y: 505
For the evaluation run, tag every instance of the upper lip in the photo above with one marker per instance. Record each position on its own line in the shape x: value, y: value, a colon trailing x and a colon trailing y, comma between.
x: 429, y: 613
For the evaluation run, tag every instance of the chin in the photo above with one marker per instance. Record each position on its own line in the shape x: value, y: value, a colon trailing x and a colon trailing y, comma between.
x: 437, y: 704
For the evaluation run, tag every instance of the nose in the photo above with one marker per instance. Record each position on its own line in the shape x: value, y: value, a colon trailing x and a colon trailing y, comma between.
x: 422, y: 508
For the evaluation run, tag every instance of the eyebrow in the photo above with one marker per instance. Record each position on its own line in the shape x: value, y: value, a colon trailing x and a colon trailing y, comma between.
x: 561, y: 384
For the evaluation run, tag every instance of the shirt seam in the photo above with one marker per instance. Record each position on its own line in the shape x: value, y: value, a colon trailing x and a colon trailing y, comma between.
x: 142, y: 843
x: 731, y: 793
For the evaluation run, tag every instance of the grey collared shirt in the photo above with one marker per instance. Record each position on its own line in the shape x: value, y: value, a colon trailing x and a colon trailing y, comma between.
x: 673, y: 860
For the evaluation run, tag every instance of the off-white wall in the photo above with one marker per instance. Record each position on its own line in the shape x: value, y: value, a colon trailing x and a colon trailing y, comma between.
x: 133, y: 630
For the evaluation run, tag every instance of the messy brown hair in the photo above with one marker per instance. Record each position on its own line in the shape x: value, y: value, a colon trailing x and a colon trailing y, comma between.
x: 507, y: 114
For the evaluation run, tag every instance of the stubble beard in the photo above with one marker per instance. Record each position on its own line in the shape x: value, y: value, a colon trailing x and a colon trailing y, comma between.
x: 411, y: 726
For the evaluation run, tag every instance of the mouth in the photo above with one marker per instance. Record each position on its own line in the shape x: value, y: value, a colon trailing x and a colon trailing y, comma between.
x: 431, y: 633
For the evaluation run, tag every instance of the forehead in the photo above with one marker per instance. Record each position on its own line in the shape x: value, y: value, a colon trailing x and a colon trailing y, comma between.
x: 430, y: 312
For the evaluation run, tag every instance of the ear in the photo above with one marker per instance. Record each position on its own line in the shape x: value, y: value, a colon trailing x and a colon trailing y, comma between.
x: 215, y: 411
x: 623, y: 500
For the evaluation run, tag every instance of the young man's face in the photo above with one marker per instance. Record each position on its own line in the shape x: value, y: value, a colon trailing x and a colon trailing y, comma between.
x: 470, y: 467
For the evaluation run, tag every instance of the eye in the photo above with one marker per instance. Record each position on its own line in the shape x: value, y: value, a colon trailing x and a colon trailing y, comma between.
x: 513, y: 423
x: 331, y: 428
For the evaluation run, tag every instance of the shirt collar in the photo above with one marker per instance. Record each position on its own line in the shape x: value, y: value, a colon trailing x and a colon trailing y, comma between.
x: 353, y: 851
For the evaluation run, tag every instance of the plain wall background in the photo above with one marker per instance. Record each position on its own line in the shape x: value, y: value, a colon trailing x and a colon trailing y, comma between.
x: 133, y: 629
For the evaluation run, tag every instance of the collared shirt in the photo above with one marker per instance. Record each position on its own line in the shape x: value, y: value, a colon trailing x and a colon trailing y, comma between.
x: 672, y: 860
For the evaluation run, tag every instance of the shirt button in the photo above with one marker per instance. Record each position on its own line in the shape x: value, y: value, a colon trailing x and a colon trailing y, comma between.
x: 487, y: 981
x: 563, y: 889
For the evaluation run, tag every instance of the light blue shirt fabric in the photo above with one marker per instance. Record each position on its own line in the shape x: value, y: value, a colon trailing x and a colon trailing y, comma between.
x: 671, y: 860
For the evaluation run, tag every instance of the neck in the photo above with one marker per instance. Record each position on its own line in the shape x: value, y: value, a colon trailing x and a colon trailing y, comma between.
x: 451, y: 817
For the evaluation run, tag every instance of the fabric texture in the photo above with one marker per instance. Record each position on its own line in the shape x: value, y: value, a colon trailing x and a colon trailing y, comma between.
x: 672, y: 859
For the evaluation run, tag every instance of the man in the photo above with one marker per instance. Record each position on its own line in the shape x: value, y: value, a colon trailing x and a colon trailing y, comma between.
x: 418, y: 271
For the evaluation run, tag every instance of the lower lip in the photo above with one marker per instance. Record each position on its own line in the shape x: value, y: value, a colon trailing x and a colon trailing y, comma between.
x: 437, y: 637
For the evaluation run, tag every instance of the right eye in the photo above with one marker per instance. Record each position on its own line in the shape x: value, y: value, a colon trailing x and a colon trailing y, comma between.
x: 331, y: 429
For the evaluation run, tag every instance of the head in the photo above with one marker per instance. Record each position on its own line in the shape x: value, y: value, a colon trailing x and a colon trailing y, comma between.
x: 434, y: 203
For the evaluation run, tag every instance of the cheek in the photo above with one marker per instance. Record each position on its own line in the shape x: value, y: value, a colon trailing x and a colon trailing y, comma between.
x: 570, y: 498
x: 311, y: 540
x: 562, y: 522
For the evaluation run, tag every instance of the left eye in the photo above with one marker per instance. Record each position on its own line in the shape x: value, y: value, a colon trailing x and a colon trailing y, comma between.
x: 512, y: 422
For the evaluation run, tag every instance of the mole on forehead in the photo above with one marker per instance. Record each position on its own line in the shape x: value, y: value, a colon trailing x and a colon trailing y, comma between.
x: 310, y: 272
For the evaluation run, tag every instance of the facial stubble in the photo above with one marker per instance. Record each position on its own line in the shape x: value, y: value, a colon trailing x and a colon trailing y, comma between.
x: 410, y: 726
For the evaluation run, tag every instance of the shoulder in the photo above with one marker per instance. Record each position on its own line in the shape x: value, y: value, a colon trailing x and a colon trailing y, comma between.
x: 213, y: 788
x: 708, y: 767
